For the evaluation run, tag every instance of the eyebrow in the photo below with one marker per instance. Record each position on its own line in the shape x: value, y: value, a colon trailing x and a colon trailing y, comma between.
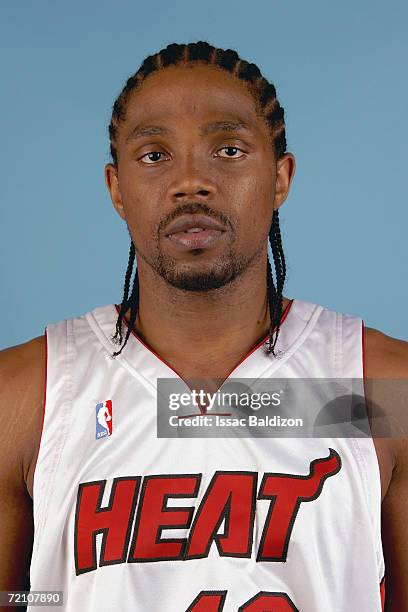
x: 208, y: 128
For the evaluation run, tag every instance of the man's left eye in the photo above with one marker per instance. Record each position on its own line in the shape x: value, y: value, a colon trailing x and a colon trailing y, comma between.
x: 232, y: 150
x: 152, y: 161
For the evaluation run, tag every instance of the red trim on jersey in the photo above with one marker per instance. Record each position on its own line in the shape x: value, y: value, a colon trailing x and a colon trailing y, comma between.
x: 284, y: 315
x: 382, y: 593
x: 146, y: 345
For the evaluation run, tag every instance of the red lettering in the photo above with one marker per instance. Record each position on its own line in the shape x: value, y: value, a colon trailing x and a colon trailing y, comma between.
x: 230, y: 495
x: 287, y: 492
x: 208, y: 602
x: 230, y: 500
x: 114, y: 522
x: 264, y: 601
x: 154, y: 516
x: 269, y: 602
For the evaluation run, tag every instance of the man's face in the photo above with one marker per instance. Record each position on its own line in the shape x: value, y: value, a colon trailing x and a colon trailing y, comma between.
x: 192, y: 168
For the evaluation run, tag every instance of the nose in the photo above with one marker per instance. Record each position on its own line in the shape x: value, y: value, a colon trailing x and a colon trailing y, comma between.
x: 192, y: 180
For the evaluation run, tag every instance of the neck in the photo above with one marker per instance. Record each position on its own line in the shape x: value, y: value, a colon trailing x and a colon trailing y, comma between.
x: 206, y: 333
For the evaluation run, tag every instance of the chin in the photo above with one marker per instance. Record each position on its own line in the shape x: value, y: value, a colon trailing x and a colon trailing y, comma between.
x: 195, y: 281
x: 201, y: 276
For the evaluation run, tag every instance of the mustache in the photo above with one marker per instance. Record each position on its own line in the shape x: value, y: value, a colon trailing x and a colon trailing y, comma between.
x: 190, y: 208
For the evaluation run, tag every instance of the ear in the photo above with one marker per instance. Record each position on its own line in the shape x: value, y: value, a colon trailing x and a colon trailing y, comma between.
x: 285, y: 171
x: 112, y: 183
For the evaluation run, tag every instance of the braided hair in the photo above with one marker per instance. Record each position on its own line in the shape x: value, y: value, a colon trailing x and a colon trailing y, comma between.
x: 267, y: 105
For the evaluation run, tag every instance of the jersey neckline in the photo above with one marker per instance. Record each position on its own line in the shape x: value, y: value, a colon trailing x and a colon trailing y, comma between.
x: 143, y: 363
x: 248, y: 354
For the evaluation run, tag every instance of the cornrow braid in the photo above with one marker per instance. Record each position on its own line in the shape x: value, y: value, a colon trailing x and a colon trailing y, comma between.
x: 267, y: 107
x: 117, y: 338
x: 275, y: 299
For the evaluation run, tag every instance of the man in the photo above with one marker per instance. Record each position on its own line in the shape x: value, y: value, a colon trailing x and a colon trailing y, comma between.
x: 134, y: 522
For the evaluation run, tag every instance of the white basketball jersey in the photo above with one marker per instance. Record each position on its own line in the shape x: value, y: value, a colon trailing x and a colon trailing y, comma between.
x: 128, y: 521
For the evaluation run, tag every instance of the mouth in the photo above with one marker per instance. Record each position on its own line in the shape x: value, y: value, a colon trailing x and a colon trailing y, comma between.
x: 195, y: 238
x: 194, y: 232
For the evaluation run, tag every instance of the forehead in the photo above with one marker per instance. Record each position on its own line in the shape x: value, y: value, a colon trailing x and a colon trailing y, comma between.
x: 194, y: 91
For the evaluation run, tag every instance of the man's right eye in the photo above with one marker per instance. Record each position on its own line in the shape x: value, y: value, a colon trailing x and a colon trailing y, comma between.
x: 151, y: 153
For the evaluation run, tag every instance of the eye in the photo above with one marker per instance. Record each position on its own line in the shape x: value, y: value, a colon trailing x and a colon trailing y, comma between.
x: 231, y: 151
x: 151, y: 153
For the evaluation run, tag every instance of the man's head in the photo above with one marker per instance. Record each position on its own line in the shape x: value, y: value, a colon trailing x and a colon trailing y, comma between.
x: 198, y: 140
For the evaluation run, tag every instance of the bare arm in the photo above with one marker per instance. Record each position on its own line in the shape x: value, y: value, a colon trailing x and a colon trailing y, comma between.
x: 21, y: 405
x: 395, y: 534
x: 388, y: 358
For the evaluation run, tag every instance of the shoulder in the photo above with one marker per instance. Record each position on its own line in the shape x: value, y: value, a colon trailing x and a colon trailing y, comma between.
x: 25, y: 354
x: 387, y: 358
x: 22, y: 380
x: 384, y: 356
x: 22, y: 370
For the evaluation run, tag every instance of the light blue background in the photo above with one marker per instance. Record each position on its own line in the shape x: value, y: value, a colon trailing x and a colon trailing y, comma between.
x: 340, y: 72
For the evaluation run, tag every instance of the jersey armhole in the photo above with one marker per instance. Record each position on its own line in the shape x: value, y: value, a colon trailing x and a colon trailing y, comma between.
x: 44, y: 401
x: 54, y: 424
x: 44, y: 394
x: 383, y: 579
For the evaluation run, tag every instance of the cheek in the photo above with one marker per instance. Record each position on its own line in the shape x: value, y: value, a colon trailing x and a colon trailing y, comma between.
x: 141, y: 224
x: 141, y: 215
x: 255, y: 209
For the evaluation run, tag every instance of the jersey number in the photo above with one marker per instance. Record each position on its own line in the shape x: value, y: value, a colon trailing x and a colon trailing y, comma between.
x: 264, y: 601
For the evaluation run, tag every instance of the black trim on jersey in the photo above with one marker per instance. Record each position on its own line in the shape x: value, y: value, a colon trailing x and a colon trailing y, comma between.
x: 169, y: 509
x: 104, y: 531
x: 225, y: 514
x: 261, y: 495
x: 196, y: 600
x: 270, y: 594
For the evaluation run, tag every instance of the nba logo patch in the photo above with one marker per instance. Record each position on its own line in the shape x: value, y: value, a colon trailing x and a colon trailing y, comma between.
x: 103, y: 419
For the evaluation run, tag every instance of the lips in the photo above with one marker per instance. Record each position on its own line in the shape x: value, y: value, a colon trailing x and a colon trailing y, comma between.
x: 194, y: 232
x: 196, y: 221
